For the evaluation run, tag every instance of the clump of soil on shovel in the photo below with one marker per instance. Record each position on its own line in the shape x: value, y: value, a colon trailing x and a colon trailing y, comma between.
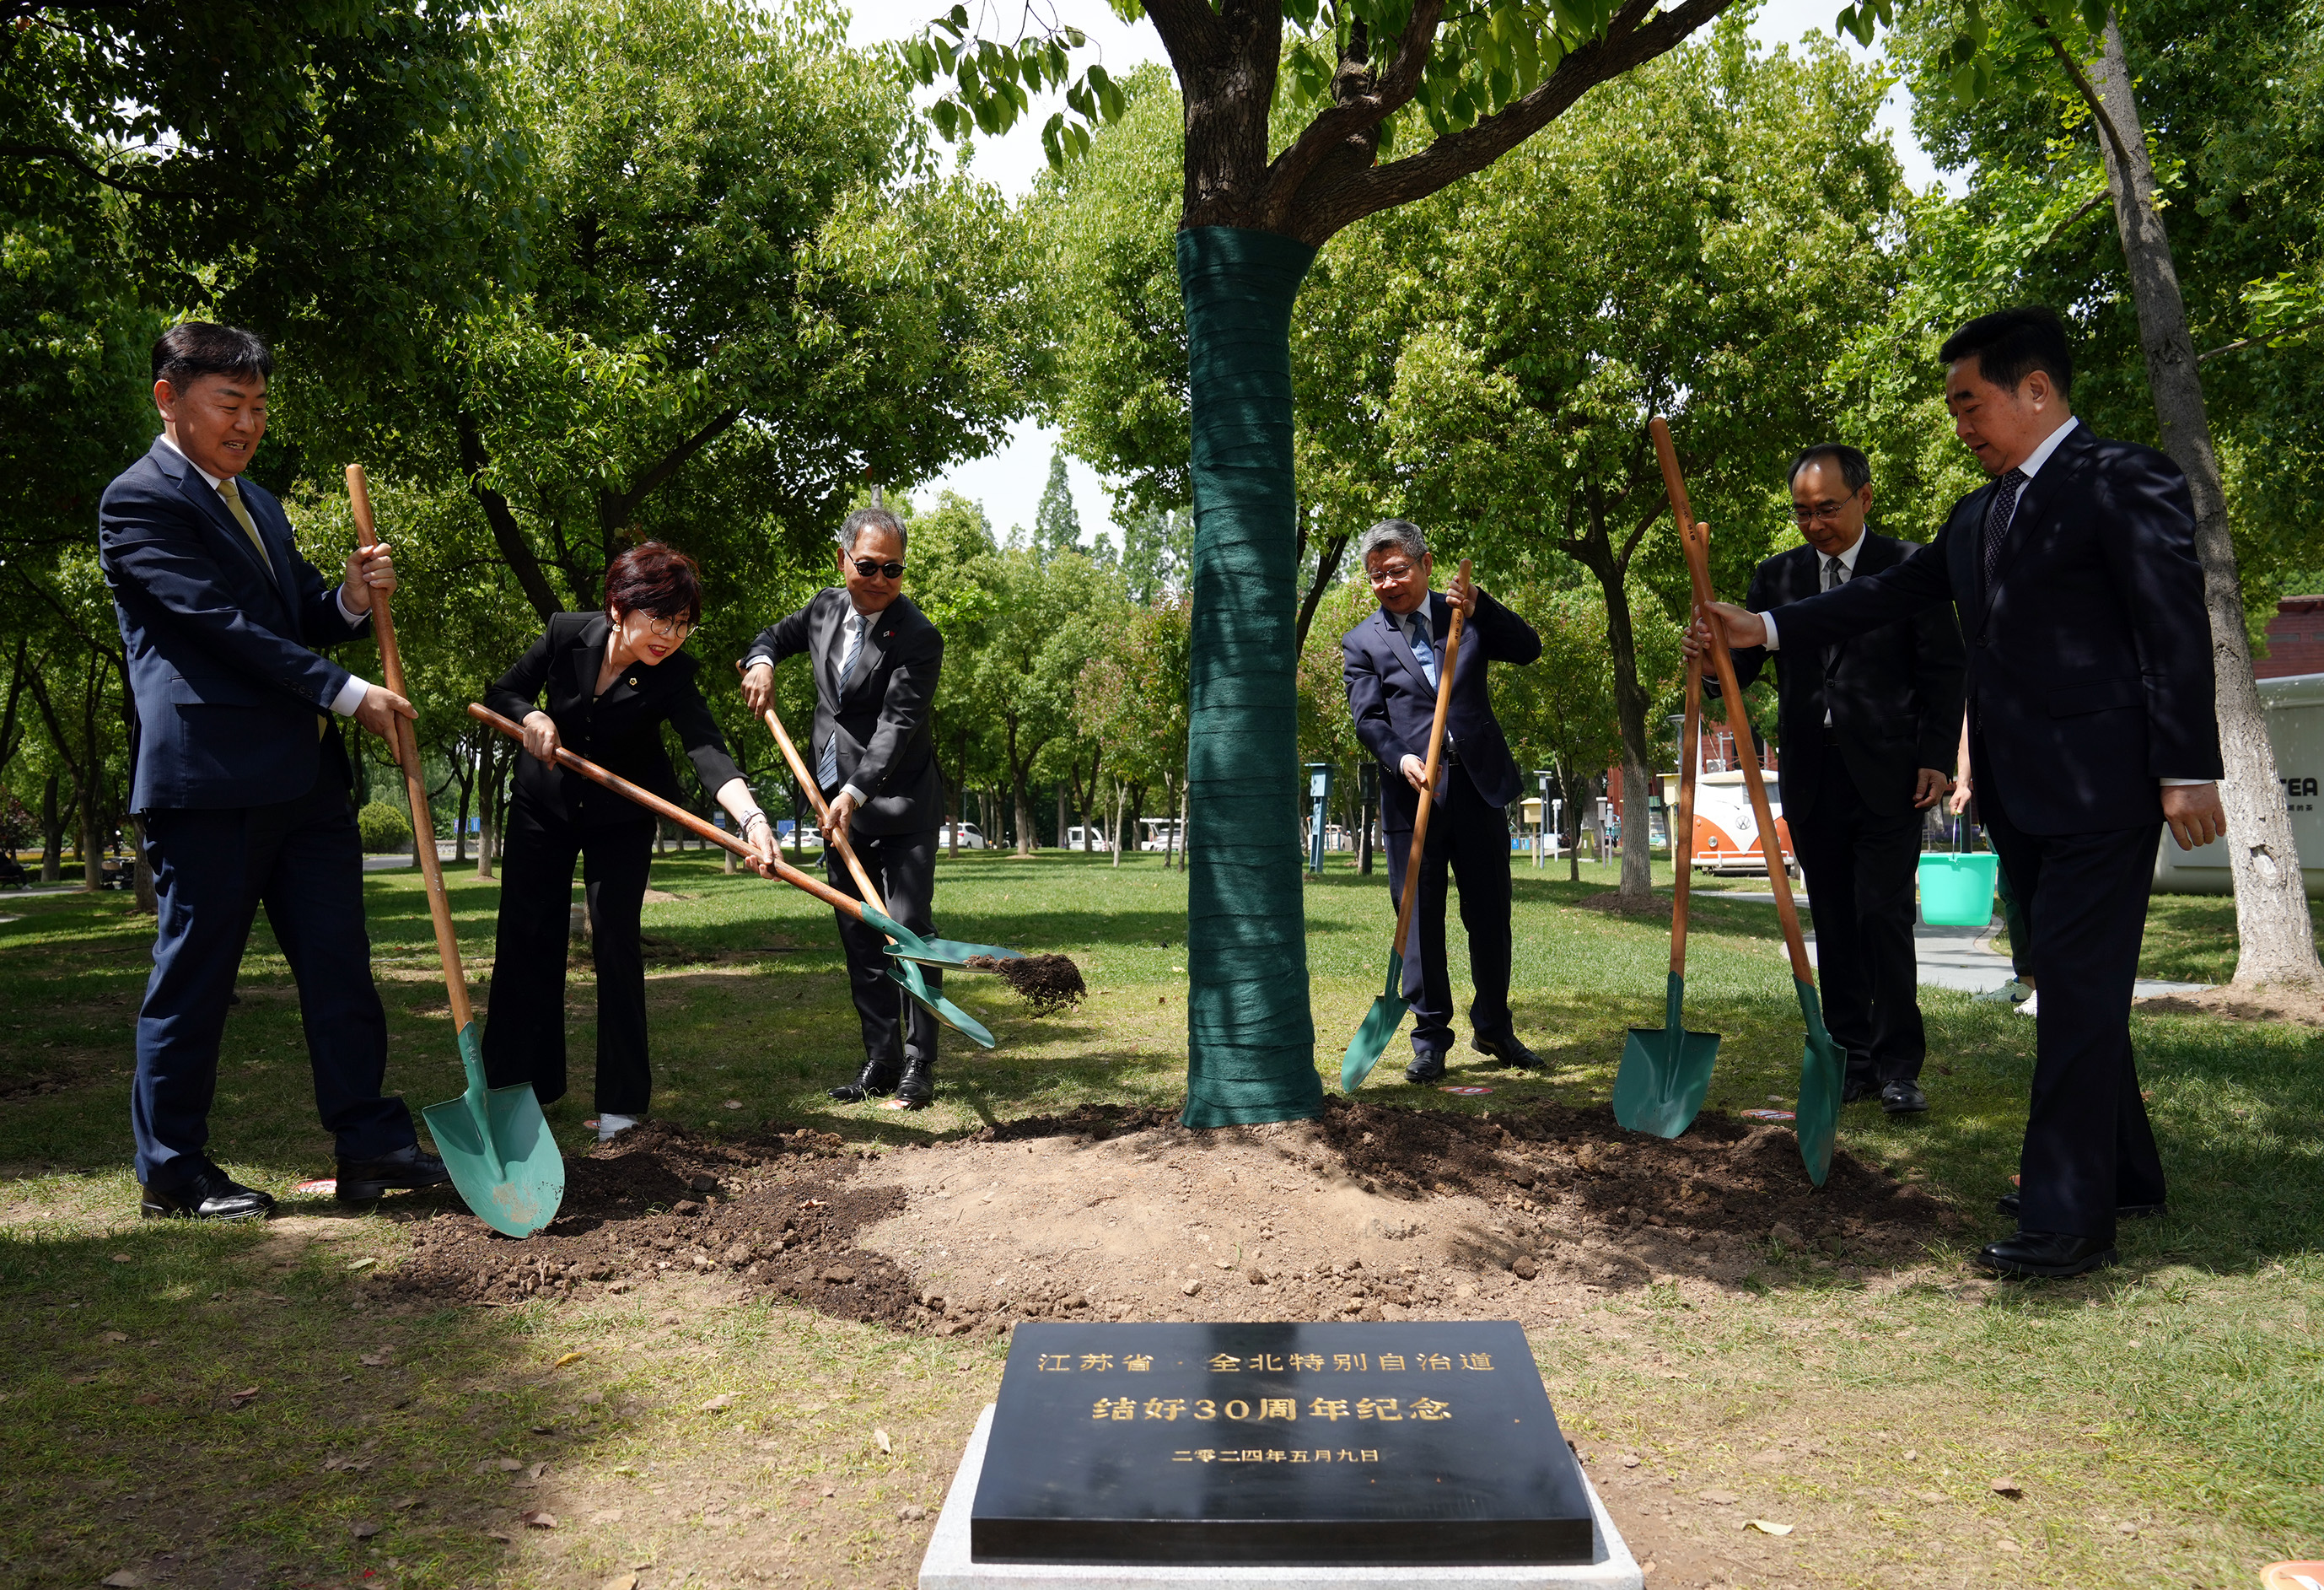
x: 779, y: 1212
x: 1048, y: 982
x: 1371, y: 1211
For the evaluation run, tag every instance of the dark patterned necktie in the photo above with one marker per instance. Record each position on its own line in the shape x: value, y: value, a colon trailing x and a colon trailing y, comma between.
x: 1835, y: 575
x: 1997, y: 517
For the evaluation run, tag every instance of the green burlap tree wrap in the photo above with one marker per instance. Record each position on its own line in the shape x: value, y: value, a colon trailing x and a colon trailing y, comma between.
x: 1251, y: 1035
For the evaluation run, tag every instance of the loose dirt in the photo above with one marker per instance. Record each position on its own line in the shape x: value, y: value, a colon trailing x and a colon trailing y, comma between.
x: 2241, y: 1004
x: 1370, y: 1212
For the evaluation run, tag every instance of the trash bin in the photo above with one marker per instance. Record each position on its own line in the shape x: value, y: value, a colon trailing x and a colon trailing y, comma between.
x: 1957, y: 891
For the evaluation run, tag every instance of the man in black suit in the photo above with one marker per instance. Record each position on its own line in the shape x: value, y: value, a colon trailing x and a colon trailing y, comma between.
x: 2091, y: 722
x: 1389, y: 663
x: 876, y: 657
x: 1867, y: 729
x: 243, y: 785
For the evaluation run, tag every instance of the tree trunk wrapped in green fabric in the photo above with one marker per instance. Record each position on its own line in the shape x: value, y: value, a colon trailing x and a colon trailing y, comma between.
x: 1251, y: 1036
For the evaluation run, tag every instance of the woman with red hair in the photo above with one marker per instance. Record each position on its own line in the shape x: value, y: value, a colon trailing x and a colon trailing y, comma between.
x: 613, y: 679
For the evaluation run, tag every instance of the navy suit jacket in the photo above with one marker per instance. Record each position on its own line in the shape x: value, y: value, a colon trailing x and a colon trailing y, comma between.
x: 1394, y: 705
x: 2089, y: 658
x: 880, y: 712
x: 227, y: 690
x: 1895, y: 695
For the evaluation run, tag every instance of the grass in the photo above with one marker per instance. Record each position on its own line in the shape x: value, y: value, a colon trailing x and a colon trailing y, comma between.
x: 2178, y: 1395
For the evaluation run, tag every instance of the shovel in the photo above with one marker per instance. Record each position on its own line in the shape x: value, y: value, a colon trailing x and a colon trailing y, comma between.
x: 1387, y: 1014
x: 928, y: 952
x: 906, y: 973
x: 1822, y: 1070
x: 494, y: 1141
x: 1665, y: 1071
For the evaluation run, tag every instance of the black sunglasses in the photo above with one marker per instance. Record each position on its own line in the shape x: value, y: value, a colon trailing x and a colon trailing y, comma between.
x: 867, y: 569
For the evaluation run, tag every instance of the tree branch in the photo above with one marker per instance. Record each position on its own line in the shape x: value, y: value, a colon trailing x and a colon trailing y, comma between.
x: 2101, y: 197
x: 613, y: 511
x: 65, y: 155
x: 1361, y: 111
x: 2237, y: 347
x: 1631, y: 40
x: 2089, y: 94
x: 507, y: 534
x: 1327, y: 564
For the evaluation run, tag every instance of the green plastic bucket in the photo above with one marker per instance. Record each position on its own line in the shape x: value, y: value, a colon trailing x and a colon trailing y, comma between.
x: 1957, y: 891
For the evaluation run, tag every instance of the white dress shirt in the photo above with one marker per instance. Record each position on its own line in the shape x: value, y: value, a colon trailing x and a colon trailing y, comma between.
x: 351, y: 694
x: 2029, y: 470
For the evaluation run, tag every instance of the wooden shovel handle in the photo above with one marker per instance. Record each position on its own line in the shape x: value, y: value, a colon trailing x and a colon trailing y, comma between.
x: 680, y: 816
x: 1428, y: 784
x: 1739, y: 722
x: 821, y: 807
x: 1682, y: 835
x: 407, y: 757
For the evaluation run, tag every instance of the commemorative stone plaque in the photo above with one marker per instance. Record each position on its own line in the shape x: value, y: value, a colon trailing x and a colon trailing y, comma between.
x: 1327, y: 1445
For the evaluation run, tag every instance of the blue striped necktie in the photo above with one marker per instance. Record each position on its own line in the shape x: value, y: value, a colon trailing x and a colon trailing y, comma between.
x: 1417, y: 625
x: 827, y: 774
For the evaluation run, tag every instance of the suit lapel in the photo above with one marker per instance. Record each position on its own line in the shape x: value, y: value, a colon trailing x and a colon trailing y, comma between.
x: 876, y: 634
x: 2034, y: 501
x: 588, y: 656
x: 205, y: 498
x: 1400, y: 647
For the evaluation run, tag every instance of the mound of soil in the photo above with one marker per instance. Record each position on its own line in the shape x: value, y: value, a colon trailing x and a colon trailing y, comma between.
x: 2242, y: 1005
x: 779, y: 1212
x: 1372, y: 1211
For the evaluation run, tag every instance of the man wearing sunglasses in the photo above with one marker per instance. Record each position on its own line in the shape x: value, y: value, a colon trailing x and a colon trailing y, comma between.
x: 876, y: 657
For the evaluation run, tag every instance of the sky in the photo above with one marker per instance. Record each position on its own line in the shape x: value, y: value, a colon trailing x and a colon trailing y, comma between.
x: 1009, y: 482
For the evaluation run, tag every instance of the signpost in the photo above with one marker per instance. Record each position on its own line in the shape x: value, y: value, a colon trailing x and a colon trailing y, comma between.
x: 1319, y: 803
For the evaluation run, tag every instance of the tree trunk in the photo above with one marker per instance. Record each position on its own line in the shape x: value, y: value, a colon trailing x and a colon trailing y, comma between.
x: 1250, y: 1031
x: 2276, y: 942
x: 1021, y: 798
x: 52, y: 834
x: 1120, y: 799
x: 1596, y: 553
x: 1061, y: 815
x: 148, y: 902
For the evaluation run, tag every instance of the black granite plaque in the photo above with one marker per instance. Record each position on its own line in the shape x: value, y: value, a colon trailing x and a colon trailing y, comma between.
x: 1324, y: 1445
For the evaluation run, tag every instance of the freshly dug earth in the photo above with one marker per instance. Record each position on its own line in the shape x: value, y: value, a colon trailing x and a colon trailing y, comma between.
x: 1370, y: 1212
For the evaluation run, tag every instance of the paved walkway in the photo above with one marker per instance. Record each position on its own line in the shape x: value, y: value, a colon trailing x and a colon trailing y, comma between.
x: 1965, y: 957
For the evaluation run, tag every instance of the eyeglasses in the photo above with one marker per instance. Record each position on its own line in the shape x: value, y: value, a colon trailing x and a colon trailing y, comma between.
x: 867, y: 569
x: 1810, y: 512
x: 670, y: 629
x: 1388, y: 574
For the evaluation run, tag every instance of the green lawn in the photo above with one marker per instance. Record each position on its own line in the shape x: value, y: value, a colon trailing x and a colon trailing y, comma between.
x: 2178, y: 1395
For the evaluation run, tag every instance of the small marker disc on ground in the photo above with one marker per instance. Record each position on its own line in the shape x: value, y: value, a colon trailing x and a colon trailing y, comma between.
x: 1766, y: 1115
x: 322, y: 1188
x: 1465, y: 1092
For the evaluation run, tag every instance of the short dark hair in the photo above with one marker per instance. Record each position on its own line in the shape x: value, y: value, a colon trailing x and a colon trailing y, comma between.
x: 1855, y: 469
x: 853, y: 526
x: 2012, y: 344
x: 657, y: 580
x: 192, y: 349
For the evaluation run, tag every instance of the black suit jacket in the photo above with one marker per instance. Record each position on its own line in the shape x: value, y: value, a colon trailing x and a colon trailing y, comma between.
x: 227, y: 691
x: 880, y: 711
x: 2089, y: 658
x: 620, y: 731
x: 1394, y: 705
x: 1895, y: 695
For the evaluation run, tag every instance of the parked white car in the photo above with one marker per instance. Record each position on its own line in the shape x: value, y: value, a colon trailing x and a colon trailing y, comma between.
x: 970, y: 839
x: 1097, y: 840
x: 1160, y: 831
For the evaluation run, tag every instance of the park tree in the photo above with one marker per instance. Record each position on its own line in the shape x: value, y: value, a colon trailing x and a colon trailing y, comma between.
x: 1391, y: 102
x: 2007, y: 74
x: 1697, y: 246
x: 1056, y: 525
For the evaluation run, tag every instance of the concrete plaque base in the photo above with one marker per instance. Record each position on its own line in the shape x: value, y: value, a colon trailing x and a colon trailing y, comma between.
x: 946, y: 1566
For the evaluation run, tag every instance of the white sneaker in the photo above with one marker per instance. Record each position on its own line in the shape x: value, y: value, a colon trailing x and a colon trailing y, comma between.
x: 2009, y: 992
x: 611, y: 1126
x: 2031, y: 1005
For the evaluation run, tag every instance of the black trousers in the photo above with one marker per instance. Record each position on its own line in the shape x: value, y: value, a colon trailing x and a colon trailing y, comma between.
x: 1861, y: 868
x: 524, y: 1023
x: 903, y: 868
x: 1470, y: 837
x: 2088, y: 1145
x: 302, y: 860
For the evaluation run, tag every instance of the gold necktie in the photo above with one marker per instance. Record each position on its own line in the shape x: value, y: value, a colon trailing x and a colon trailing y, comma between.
x: 232, y: 496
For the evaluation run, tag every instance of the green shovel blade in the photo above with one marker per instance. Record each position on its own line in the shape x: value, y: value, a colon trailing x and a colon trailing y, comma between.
x: 1379, y: 1025
x: 1822, y: 1076
x: 952, y: 952
x: 907, y: 976
x: 497, y: 1145
x: 1665, y: 1071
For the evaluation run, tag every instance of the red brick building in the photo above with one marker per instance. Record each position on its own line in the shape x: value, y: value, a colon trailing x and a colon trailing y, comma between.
x: 2295, y: 640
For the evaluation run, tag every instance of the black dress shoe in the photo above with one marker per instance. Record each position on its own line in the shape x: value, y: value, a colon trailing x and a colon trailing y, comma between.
x: 362, y: 1180
x: 918, y: 1084
x: 209, y: 1194
x: 2052, y: 1254
x: 1426, y: 1068
x: 1904, y: 1099
x: 1856, y: 1089
x: 2007, y: 1204
x: 1510, y: 1049
x: 876, y: 1080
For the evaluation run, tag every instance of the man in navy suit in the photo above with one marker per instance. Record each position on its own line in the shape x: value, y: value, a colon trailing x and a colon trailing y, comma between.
x: 1389, y: 663
x: 2091, y: 725
x: 242, y: 787
x: 1867, y: 727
